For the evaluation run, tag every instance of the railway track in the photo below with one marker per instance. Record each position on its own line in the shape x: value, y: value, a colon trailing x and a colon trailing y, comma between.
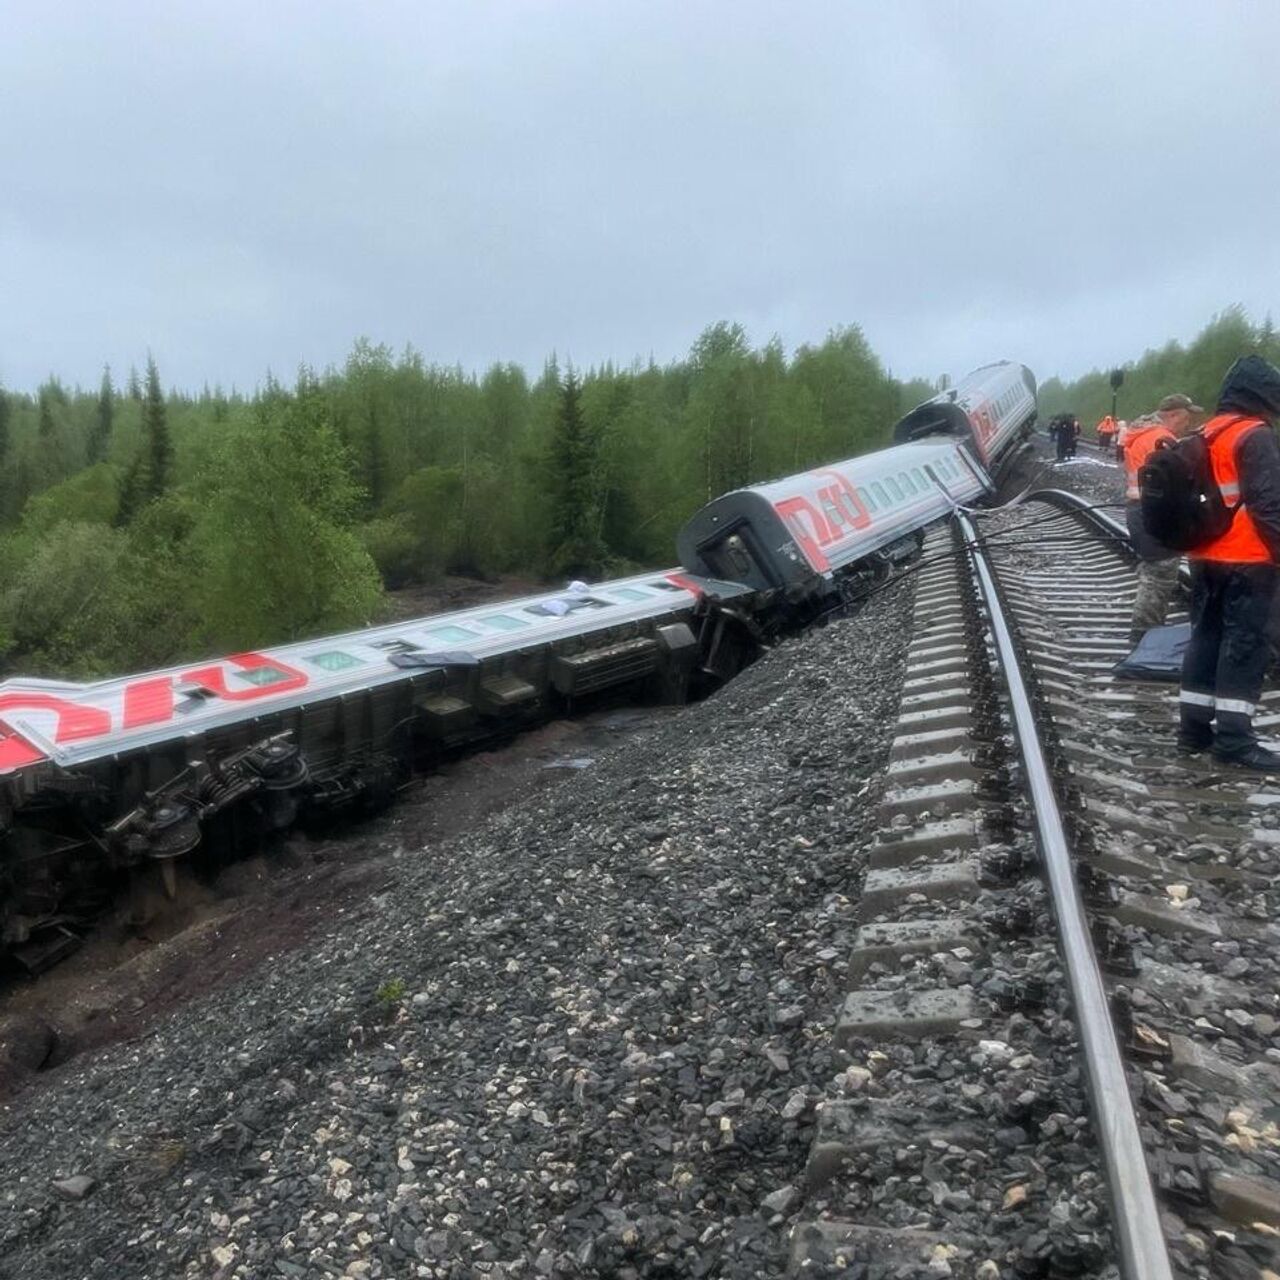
x: 1062, y: 1023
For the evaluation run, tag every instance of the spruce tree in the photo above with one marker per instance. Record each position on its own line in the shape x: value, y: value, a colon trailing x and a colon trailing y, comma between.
x: 133, y: 490
x: 100, y: 433
x: 47, y: 426
x: 574, y: 528
x: 4, y: 424
x: 135, y: 387
x: 155, y: 432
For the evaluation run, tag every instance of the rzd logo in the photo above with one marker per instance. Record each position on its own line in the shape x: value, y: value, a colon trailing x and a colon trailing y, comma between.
x: 149, y: 700
x: 838, y: 512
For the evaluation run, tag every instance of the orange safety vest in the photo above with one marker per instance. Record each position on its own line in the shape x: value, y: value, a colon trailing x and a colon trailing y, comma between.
x: 1107, y: 427
x: 1138, y: 447
x: 1242, y: 543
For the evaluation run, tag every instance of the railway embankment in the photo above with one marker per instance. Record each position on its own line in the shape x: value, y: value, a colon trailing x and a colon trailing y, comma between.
x: 586, y: 1037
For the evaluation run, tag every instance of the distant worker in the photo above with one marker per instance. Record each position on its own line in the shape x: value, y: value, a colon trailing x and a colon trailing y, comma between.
x: 1073, y: 435
x: 1123, y: 431
x: 1062, y: 430
x: 1233, y: 577
x: 1175, y: 417
x: 1106, y: 433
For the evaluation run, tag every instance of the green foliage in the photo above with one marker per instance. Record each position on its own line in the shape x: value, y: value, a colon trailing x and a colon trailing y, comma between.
x: 391, y: 992
x: 275, y: 554
x: 1195, y: 370
x: 393, y: 546
x: 226, y: 522
x: 100, y: 434
x: 60, y: 604
x: 91, y: 496
x: 155, y: 429
x: 576, y: 547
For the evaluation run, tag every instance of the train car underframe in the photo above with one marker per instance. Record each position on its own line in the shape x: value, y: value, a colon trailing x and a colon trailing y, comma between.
x: 75, y: 837
x: 117, y: 829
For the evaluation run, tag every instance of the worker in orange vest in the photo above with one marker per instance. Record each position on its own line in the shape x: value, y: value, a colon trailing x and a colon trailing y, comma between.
x: 1175, y: 417
x: 1233, y: 578
x: 1106, y: 431
x: 1123, y: 431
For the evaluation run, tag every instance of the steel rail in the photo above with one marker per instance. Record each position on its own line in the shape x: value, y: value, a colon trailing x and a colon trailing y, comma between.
x: 1082, y: 507
x: 1135, y: 1215
x: 1115, y: 529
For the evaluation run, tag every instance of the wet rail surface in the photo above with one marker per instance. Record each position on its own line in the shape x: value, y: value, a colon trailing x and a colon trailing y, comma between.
x: 978, y: 1128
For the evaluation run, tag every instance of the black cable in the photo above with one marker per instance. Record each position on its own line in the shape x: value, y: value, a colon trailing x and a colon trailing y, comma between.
x: 1084, y: 538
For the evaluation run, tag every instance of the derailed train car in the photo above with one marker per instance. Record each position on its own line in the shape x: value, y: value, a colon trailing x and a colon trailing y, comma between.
x: 134, y: 773
x: 812, y: 536
x: 123, y: 778
x: 992, y: 410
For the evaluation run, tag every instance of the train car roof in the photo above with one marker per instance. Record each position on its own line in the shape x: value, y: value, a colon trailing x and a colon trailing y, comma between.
x: 891, y: 458
x: 69, y: 723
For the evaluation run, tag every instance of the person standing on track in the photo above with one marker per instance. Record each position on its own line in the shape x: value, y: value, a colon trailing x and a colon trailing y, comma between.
x: 1175, y: 417
x: 1233, y: 578
x: 1106, y: 432
x: 1123, y: 431
x: 1059, y: 430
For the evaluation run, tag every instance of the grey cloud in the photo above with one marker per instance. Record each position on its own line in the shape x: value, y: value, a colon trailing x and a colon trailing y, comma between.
x: 241, y: 186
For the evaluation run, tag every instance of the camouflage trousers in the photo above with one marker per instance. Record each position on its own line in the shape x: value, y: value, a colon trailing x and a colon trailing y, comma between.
x: 1156, y: 582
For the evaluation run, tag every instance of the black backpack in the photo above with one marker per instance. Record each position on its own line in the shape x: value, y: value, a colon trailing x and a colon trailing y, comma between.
x: 1182, y: 507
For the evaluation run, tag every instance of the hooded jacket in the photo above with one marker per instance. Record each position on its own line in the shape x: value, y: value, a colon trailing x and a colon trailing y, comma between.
x: 1252, y: 386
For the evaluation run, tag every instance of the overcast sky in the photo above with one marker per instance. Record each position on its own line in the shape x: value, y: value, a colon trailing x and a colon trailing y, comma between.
x: 244, y: 186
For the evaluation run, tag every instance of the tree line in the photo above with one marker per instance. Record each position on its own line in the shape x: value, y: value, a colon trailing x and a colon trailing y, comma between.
x: 141, y: 526
x: 1195, y: 370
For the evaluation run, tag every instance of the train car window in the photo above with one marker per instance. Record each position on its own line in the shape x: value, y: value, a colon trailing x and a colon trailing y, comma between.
x: 450, y: 632
x: 919, y: 475
x: 894, y: 488
x: 867, y: 500
x: 907, y: 482
x: 503, y: 622
x: 878, y: 489
x: 261, y: 676
x: 628, y: 593
x: 664, y: 585
x: 334, y: 660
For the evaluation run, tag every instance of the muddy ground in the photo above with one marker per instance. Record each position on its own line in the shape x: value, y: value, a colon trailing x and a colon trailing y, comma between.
x: 221, y: 926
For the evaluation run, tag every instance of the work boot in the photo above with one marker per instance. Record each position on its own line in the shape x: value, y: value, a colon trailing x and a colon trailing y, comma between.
x: 1256, y: 757
x: 1195, y: 729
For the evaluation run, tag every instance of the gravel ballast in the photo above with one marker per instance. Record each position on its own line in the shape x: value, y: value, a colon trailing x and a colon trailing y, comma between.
x: 586, y: 1039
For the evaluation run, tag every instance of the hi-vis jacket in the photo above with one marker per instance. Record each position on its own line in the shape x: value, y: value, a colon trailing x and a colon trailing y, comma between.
x: 1246, y: 466
x: 1138, y: 447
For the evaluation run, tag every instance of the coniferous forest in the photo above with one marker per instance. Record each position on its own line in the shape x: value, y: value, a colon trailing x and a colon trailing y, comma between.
x: 141, y: 525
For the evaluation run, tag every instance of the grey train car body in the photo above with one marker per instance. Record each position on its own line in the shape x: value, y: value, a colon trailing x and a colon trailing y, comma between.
x: 993, y: 409
x: 801, y: 534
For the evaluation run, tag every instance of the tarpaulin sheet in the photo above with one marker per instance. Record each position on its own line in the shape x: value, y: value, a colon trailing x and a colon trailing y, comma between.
x: 1158, y: 655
